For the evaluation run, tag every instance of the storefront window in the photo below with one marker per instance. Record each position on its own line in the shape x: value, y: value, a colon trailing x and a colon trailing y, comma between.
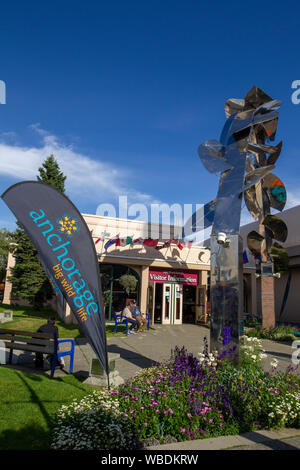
x: 114, y: 294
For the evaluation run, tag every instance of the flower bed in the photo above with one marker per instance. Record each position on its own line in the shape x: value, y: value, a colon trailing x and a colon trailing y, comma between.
x: 280, y: 333
x: 181, y: 399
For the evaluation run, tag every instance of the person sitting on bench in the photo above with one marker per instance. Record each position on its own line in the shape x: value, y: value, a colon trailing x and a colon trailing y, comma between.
x: 48, y: 328
x: 135, y: 311
x: 127, y: 313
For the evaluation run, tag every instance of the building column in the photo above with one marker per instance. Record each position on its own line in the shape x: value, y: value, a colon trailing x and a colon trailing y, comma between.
x: 203, y: 275
x: 69, y: 317
x: 144, y: 288
x: 11, y: 261
x: 253, y: 295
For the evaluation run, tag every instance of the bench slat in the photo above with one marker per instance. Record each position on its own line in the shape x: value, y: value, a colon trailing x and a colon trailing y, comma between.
x: 33, y: 341
x: 26, y: 333
x: 29, y: 347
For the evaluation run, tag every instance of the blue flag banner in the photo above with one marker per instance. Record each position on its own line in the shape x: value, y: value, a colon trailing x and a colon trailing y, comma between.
x: 245, y: 257
x: 67, y: 253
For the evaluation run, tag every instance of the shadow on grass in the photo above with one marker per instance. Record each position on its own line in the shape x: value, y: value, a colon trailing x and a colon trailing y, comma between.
x: 28, y: 437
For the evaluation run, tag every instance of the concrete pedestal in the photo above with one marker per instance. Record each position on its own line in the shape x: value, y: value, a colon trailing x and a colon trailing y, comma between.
x: 97, y: 375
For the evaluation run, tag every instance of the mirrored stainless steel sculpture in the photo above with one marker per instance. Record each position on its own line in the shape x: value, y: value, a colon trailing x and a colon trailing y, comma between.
x: 245, y: 162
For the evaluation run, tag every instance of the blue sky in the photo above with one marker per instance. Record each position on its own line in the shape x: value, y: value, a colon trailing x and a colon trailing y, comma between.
x: 123, y: 93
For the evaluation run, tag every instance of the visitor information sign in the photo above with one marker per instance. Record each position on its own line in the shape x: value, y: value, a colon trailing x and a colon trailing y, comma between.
x: 173, y: 277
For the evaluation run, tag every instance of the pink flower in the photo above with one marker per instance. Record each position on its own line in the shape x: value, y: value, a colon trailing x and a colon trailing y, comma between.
x: 165, y: 412
x: 210, y: 420
x: 171, y: 411
x: 221, y: 424
x: 156, y: 411
x: 145, y: 424
x: 182, y: 429
x: 189, y: 415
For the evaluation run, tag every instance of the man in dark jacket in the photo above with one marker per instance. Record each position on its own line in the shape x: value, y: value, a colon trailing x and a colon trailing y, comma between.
x: 48, y: 328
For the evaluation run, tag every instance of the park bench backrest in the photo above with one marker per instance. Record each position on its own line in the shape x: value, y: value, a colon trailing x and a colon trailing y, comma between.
x: 28, y: 341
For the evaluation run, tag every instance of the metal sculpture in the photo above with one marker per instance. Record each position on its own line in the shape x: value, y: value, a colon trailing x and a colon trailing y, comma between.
x: 245, y: 162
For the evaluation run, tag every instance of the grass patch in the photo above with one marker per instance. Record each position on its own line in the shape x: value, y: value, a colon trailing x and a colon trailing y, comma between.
x: 28, y: 319
x: 28, y: 405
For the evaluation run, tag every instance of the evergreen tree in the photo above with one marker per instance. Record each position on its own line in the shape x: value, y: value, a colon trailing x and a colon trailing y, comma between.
x: 50, y: 173
x: 29, y: 281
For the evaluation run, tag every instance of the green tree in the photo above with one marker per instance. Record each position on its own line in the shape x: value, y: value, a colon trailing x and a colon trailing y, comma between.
x: 50, y: 173
x: 29, y: 281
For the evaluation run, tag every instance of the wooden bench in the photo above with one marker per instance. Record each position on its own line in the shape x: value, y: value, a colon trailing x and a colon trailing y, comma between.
x: 36, y: 342
x: 120, y: 320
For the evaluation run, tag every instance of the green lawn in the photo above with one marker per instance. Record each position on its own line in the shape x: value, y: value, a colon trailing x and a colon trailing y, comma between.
x: 28, y: 404
x: 28, y: 319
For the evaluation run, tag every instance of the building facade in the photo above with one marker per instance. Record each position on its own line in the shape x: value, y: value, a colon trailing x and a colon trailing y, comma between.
x: 287, y: 288
x: 171, y: 283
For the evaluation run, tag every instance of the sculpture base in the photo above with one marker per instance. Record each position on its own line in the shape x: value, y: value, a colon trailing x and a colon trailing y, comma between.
x: 226, y: 296
x: 268, y: 302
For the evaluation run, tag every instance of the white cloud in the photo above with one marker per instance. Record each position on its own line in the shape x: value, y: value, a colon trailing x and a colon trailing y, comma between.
x: 94, y: 181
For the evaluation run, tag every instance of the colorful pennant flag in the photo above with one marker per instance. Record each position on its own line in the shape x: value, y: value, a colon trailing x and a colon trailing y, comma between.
x: 150, y: 242
x: 111, y: 242
x: 137, y: 241
x: 245, y: 257
x: 125, y: 241
x: 187, y: 244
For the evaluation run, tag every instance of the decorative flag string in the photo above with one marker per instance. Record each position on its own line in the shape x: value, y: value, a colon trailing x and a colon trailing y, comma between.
x: 152, y: 243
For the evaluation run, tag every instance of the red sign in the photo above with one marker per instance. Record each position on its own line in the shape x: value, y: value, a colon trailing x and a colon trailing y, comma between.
x: 173, y: 277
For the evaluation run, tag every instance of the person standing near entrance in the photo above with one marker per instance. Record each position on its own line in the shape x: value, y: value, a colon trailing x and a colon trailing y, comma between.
x: 127, y: 313
x: 142, y: 321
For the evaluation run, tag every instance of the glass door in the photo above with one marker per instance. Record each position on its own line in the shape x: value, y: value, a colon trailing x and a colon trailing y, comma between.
x: 178, y: 297
x: 166, y: 304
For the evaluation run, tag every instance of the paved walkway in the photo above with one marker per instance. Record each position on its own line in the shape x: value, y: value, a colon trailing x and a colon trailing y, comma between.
x: 285, y: 439
x: 145, y: 349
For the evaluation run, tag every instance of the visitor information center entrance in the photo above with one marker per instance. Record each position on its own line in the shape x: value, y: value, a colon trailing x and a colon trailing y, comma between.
x: 172, y: 296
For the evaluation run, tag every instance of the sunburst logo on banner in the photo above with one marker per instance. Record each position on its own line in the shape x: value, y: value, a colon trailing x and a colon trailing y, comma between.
x: 68, y: 225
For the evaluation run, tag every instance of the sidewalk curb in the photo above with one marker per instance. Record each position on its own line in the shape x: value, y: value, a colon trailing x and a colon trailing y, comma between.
x: 229, y: 442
